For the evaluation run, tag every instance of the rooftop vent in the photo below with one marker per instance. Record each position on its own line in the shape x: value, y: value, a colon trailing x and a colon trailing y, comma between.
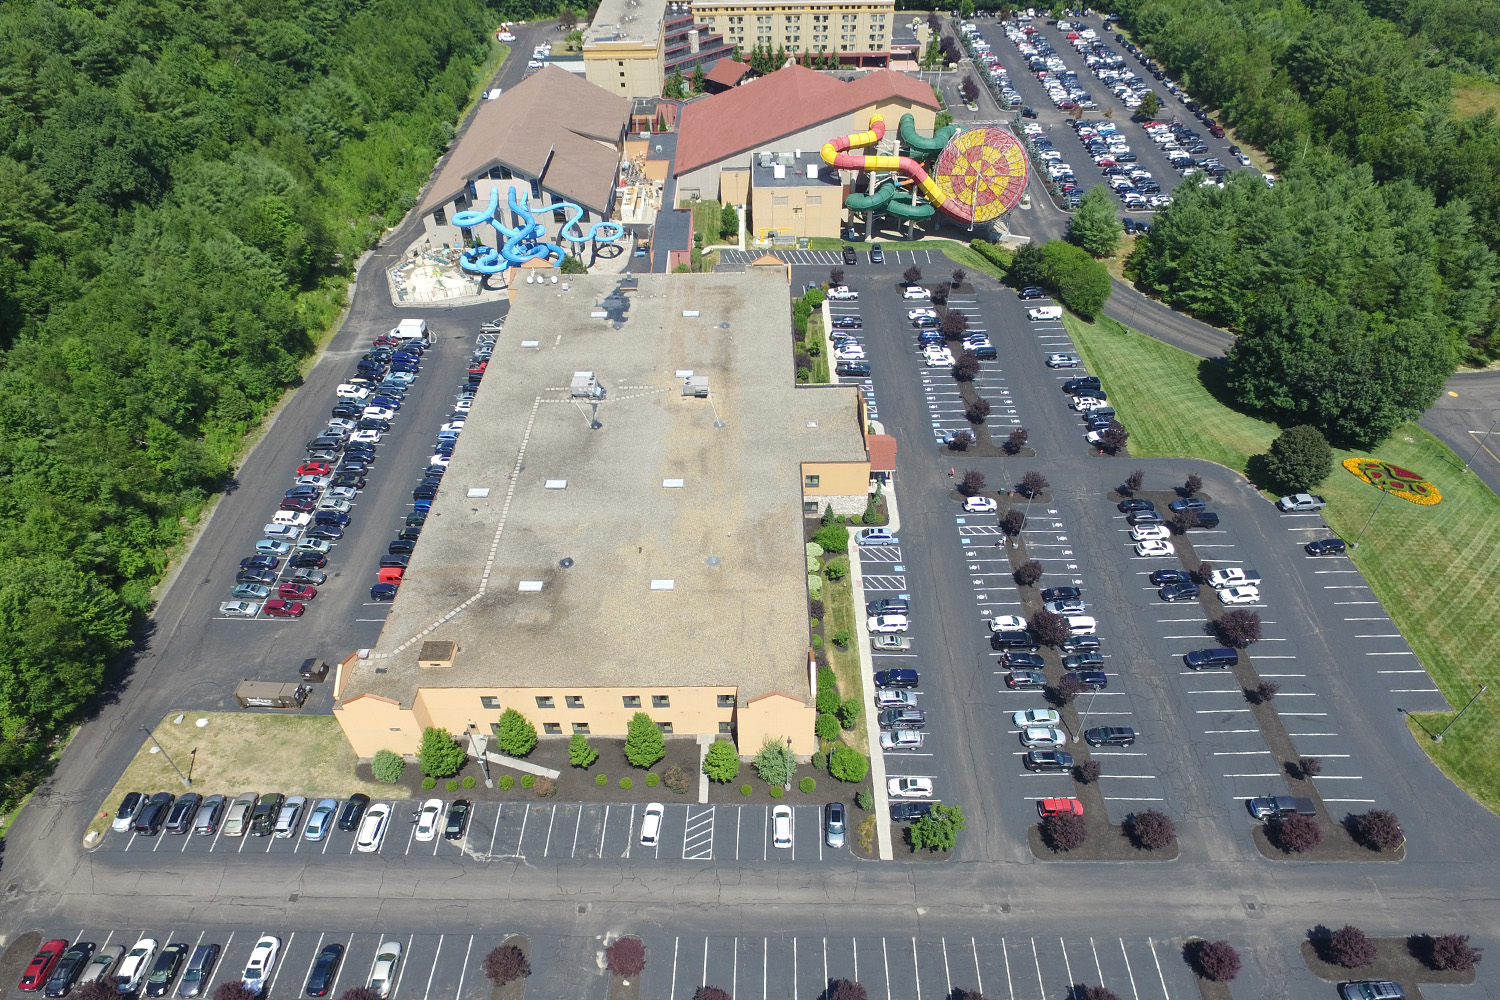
x: 556, y: 484
x: 530, y: 587
x: 586, y: 386
x: 695, y: 385
x: 663, y: 584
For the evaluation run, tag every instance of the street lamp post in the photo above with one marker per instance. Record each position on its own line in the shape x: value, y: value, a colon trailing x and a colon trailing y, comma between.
x: 788, y: 785
x: 186, y: 781
x: 1439, y: 737
x: 1383, y: 495
x: 477, y: 747
x: 1475, y: 453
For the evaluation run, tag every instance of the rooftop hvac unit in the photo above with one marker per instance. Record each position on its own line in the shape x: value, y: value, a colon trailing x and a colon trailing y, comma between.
x: 779, y: 171
x: 812, y: 171
x: 586, y: 386
x: 695, y: 385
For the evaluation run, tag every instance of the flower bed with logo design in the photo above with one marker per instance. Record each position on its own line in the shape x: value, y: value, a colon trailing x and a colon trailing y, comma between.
x: 1394, y: 480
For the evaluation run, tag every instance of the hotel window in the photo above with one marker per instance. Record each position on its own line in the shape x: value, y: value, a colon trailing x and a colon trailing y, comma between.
x: 726, y: 701
x: 665, y: 727
x: 552, y: 728
x: 811, y: 482
x: 575, y: 700
x: 440, y: 217
x: 489, y: 701
x: 778, y: 201
x: 814, y: 201
x: 660, y: 701
x: 494, y: 729
x: 544, y: 701
x: 726, y: 729
x: 581, y: 728
x: 632, y: 701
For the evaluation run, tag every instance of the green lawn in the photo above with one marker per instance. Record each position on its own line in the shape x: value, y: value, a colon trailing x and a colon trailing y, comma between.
x: 813, y: 335
x: 1432, y: 567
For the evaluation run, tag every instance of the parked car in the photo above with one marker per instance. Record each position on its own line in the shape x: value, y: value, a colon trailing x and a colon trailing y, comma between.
x: 902, y: 739
x: 1326, y: 547
x: 903, y: 677
x: 428, y: 818
x: 102, y: 965
x: 1025, y: 680
x: 41, y: 965
x: 1221, y: 657
x: 324, y: 971
x: 1059, y: 807
x: 890, y: 643
x: 980, y: 505
x: 1090, y: 680
x: 135, y: 967
x: 1109, y: 736
x: 834, y: 824
x: 908, y: 788
x: 1162, y: 577
x: 651, y: 824
x: 199, y: 972
x: 1043, y: 736
x: 1047, y: 760
x: 262, y: 962
x: 130, y: 807
x: 1036, y: 717
x: 237, y: 818
x: 353, y: 812
x: 372, y: 829
x: 164, y: 972
x: 457, y: 819
x: 1371, y: 989
x: 180, y: 818
x: 1178, y: 592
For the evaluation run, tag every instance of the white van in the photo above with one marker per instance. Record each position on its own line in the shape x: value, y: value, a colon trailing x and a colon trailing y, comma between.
x: 411, y: 329
x: 1082, y: 625
x: 291, y: 517
x: 875, y: 536
x: 1044, y: 312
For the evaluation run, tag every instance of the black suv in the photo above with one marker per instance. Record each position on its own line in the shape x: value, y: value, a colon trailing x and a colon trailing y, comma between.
x: 1134, y: 503
x: 180, y: 819
x: 1326, y: 547
x: 909, y: 811
x: 1199, y: 659
x: 353, y: 812
x: 853, y: 369
x: 902, y: 678
x: 1081, y: 385
x: 850, y: 256
x: 265, y: 814
x: 148, y: 823
x: 1016, y: 639
x: 1047, y: 760
x: 1178, y: 592
x: 1109, y: 736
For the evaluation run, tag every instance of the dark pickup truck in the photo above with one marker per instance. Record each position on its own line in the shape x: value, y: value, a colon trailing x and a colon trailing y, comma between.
x: 1271, y: 806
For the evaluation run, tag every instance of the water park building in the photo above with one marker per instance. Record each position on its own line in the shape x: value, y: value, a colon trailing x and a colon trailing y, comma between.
x: 792, y: 111
x: 632, y: 46
x: 622, y: 527
x: 858, y: 32
x: 554, y: 137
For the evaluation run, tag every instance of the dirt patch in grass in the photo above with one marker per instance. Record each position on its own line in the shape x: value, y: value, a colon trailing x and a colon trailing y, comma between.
x: 242, y: 752
x: 1396, y: 958
x: 1473, y: 95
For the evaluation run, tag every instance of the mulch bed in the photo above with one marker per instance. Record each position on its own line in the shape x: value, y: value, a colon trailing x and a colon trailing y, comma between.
x: 1396, y: 958
x: 829, y: 789
x: 13, y: 963
x: 573, y: 784
x: 514, y: 989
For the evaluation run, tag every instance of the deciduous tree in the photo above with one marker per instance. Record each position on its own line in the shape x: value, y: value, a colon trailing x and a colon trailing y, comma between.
x: 1095, y: 226
x: 505, y: 964
x: 644, y: 742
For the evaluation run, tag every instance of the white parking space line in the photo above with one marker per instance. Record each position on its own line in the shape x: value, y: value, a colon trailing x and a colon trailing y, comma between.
x: 406, y: 960
x: 286, y: 949
x: 463, y: 968
x: 314, y: 960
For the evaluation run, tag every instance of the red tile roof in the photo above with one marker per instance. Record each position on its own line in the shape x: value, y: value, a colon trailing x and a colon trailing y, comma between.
x: 783, y: 103
x: 727, y: 72
x: 882, y: 452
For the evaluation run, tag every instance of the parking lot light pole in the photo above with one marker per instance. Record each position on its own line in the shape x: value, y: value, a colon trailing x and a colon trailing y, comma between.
x: 1475, y: 453
x: 477, y: 747
x: 1439, y: 737
x: 186, y: 781
x: 788, y: 785
x: 1383, y: 495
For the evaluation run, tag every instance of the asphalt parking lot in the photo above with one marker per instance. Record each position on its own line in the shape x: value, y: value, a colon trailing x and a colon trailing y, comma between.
x: 532, y: 831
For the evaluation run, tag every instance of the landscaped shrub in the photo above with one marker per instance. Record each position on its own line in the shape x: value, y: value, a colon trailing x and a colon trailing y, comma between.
x: 775, y: 763
x: 1064, y: 832
x: 842, y: 638
x: 676, y: 779
x: 850, y: 710
x: 1133, y: 482
x: 1028, y: 573
x: 978, y: 411
x: 1016, y: 440
x: 98, y: 989
x: 1453, y: 953
x: 964, y: 370
x: 834, y: 538
x: 848, y: 764
x: 439, y: 754
x: 1193, y: 484
x: 388, y: 766
x: 545, y: 788
x: 528, y: 780
x: 505, y: 782
x: 580, y: 754
x: 601, y: 780
x: 506, y: 964
x: 1088, y: 772
x: 836, y: 570
x: 817, y: 640
x: 1237, y: 628
x: 1216, y: 961
x: 846, y: 989
x: 1296, y: 834
x: 1153, y: 830
x: 626, y: 783
x: 470, y: 781
x: 653, y: 779
x: 1183, y: 521
x: 938, y: 830
x: 721, y: 762
x: 827, y: 726
x: 352, y: 993
x: 451, y: 785
x: 819, y: 761
x: 1299, y: 459
x: 1013, y: 521
x: 1098, y: 993
x: 231, y: 989
x: 1064, y: 691
x: 1349, y: 947
x: 644, y: 742
x: 912, y: 275
x: 808, y: 785
x: 972, y: 482
x: 1113, y: 437
x: 746, y: 789
x: 626, y: 957
x: 961, y: 440
x: 1265, y: 691
x: 865, y: 799
x: 517, y: 736
x: 828, y: 700
x: 711, y: 993
x: 1380, y: 829
x: 1309, y: 767
x: 815, y: 608
x: 953, y: 324
x: 776, y: 791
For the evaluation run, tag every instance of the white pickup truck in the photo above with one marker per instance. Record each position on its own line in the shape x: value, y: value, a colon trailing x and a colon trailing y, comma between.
x: 1233, y: 576
x: 1300, y: 502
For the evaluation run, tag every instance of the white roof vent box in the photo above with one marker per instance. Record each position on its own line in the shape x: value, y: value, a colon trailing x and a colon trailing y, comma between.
x: 695, y: 385
x: 586, y: 385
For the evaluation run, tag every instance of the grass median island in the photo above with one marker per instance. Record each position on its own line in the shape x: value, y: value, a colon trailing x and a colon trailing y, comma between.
x: 1433, y: 568
x: 243, y: 752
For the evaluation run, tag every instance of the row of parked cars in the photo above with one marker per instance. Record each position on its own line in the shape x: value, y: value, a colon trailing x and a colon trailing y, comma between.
x: 147, y: 967
x: 273, y: 815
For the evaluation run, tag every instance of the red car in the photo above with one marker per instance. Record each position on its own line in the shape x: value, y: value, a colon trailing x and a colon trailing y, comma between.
x: 297, y: 591
x: 41, y: 966
x: 1216, y: 131
x: 314, y: 469
x: 1059, y: 807
x: 284, y: 609
x: 386, y: 340
x: 300, y: 504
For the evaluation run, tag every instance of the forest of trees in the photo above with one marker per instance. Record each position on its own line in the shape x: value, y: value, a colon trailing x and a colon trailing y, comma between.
x: 1378, y: 242
x: 184, y: 187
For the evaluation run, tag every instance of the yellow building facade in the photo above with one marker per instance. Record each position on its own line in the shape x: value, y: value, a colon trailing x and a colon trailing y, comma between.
x: 858, y: 32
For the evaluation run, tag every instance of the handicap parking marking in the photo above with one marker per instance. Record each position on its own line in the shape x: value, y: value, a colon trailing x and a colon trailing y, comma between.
x: 698, y: 834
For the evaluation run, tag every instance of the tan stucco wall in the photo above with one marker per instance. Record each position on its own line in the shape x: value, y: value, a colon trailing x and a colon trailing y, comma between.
x: 836, y: 478
x: 778, y: 717
x: 628, y: 69
x: 792, y: 25
x: 734, y: 187
x: 373, y: 723
x: 691, y: 710
x: 796, y: 211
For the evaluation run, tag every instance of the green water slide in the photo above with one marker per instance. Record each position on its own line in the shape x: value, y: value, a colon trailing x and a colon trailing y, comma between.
x: 924, y: 148
x: 885, y: 200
